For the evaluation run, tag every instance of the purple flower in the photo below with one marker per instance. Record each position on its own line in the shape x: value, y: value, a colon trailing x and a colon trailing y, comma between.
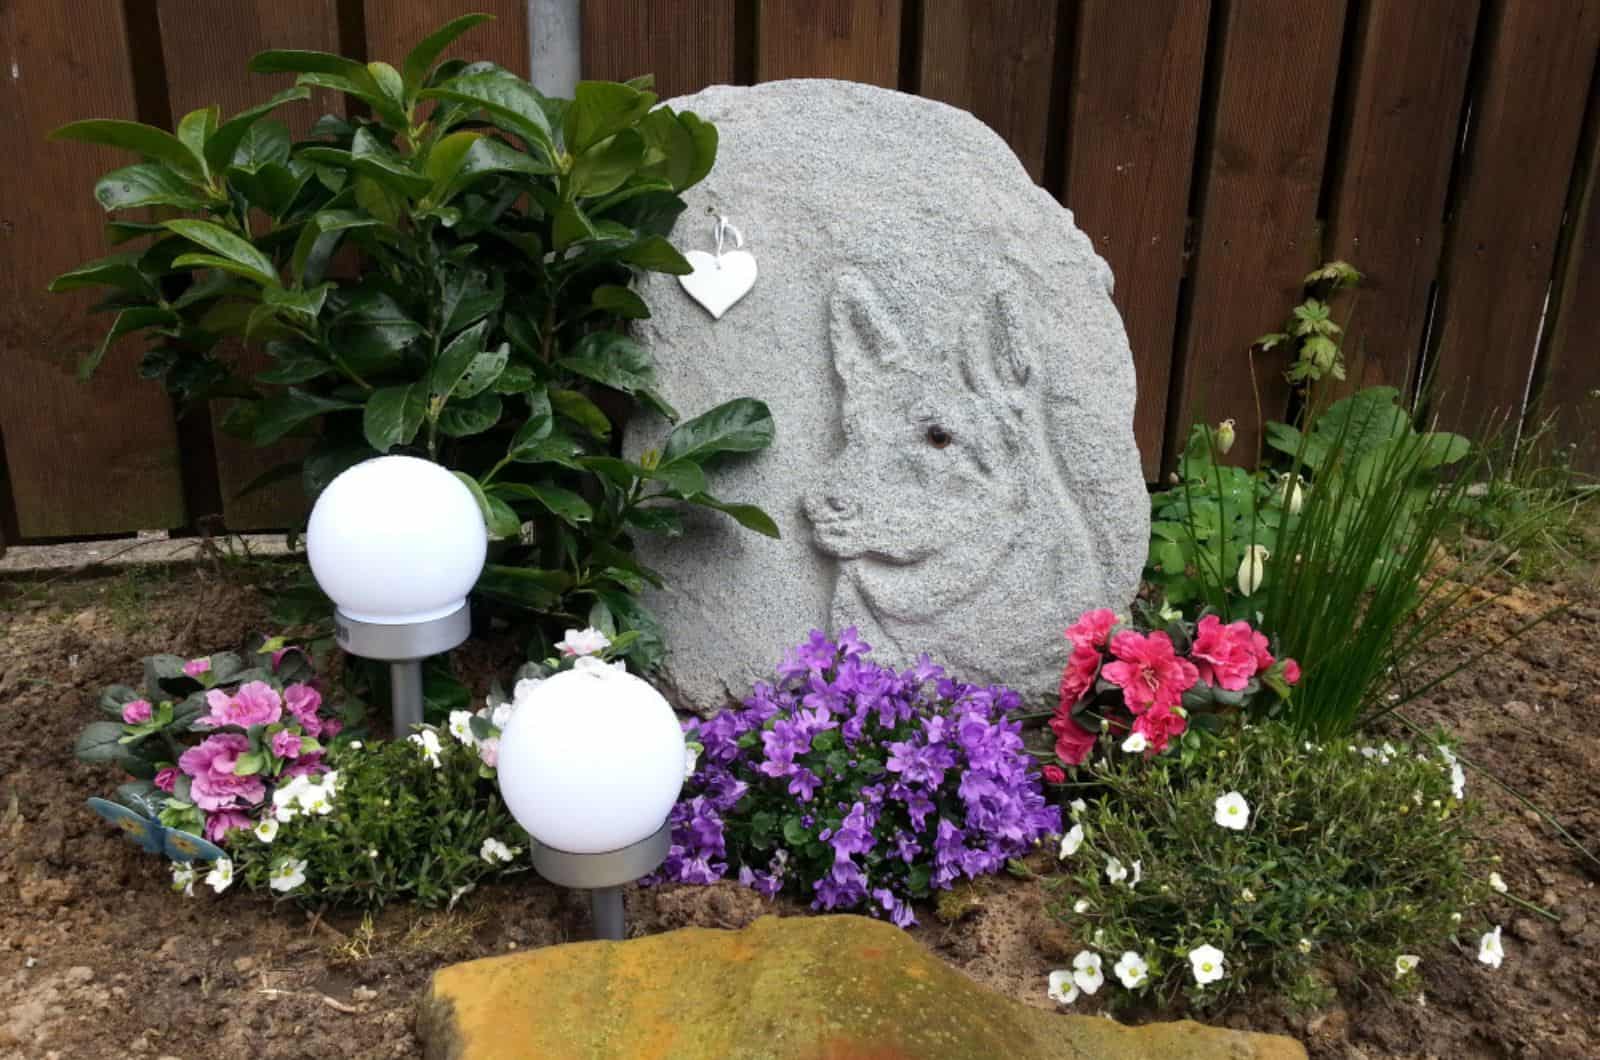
x: 286, y: 744
x: 195, y: 668
x: 803, y: 785
x: 210, y: 766
x: 136, y: 712
x: 855, y: 833
x: 256, y: 703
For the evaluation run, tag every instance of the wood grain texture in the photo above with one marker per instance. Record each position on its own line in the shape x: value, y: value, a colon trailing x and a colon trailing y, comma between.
x: 852, y: 40
x: 1258, y: 208
x: 1410, y: 74
x: 395, y: 26
x: 206, y: 63
x: 1500, y: 251
x: 994, y: 58
x: 83, y: 458
x: 1570, y: 385
x: 686, y: 44
x: 1133, y: 115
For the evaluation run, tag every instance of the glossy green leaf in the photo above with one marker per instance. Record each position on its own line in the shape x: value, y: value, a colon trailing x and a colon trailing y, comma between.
x: 454, y: 359
x: 535, y: 429
x: 746, y: 515
x: 284, y: 412
x: 511, y: 103
x: 227, y: 244
x: 612, y: 359
x: 743, y: 425
x: 380, y: 162
x: 571, y: 225
x: 601, y: 109
x: 704, y: 135
x: 463, y: 418
x: 574, y: 406
x: 147, y: 140
x: 225, y: 141
x: 146, y: 184
x: 195, y: 128
x: 388, y: 82
x: 419, y: 61
x: 128, y: 321
x: 483, y: 372
x: 604, y: 167
x: 393, y: 416
x: 658, y: 255
x: 620, y: 301
x: 501, y: 521
x: 560, y: 502
x: 264, y: 143
x: 446, y: 156
x: 116, y: 270
x: 683, y: 477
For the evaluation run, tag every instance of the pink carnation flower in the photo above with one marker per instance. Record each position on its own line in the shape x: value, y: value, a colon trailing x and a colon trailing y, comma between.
x: 303, y: 702
x: 1291, y: 671
x: 1227, y: 656
x: 256, y: 703
x: 1053, y: 775
x: 1073, y: 741
x: 1159, y: 726
x: 166, y: 779
x: 211, y: 764
x: 286, y: 744
x: 1149, y: 671
x: 1083, y: 666
x: 222, y: 822
x: 196, y: 668
x: 1092, y: 628
x: 136, y: 712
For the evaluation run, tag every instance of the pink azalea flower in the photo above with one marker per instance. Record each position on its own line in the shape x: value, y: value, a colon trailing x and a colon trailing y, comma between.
x: 1054, y: 775
x: 166, y: 779
x: 286, y: 744
x: 1082, y: 668
x: 303, y: 702
x: 222, y: 822
x: 196, y: 668
x: 210, y: 765
x: 1159, y: 726
x: 309, y: 765
x: 331, y: 727
x: 1228, y: 656
x: 1148, y: 670
x: 136, y: 712
x: 1291, y: 671
x: 256, y: 703
x: 1073, y: 741
x: 1092, y: 628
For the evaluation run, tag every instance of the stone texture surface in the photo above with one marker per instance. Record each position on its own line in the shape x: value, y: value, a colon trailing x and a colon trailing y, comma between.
x: 805, y: 988
x: 955, y: 470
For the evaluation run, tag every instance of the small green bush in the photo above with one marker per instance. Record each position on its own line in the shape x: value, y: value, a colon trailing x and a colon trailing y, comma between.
x: 1359, y: 855
x: 406, y: 819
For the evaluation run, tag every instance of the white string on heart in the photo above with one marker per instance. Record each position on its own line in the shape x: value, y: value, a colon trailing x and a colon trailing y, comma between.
x: 719, y: 280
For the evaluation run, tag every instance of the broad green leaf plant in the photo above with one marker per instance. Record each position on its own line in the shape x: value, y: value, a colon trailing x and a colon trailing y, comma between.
x: 445, y: 271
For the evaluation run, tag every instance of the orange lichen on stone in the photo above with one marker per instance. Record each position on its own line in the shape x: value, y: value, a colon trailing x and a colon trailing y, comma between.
x: 811, y: 988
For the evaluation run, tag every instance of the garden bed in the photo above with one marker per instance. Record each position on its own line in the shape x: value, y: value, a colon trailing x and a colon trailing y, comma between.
x: 99, y: 958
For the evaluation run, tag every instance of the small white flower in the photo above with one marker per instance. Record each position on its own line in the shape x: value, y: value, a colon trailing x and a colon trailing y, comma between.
x: 523, y: 690
x: 287, y: 875
x: 1497, y: 883
x: 500, y: 717
x: 1448, y: 755
x: 1086, y: 971
x: 1115, y: 872
x: 1293, y: 493
x: 183, y: 878
x: 221, y: 875
x: 373, y: 853
x: 691, y: 758
x: 1458, y: 781
x: 461, y: 727
x: 1132, y: 970
x: 1071, y: 841
x: 1490, y: 951
x: 1077, y: 807
x: 1135, y: 743
x: 1455, y: 918
x: 1247, y: 895
x: 1081, y: 906
x: 428, y: 740
x: 315, y: 798
x: 1207, y: 962
x: 1386, y: 752
x: 1369, y: 752
x: 1304, y: 945
x: 1233, y: 812
x: 1405, y: 964
x: 356, y: 745
x: 1063, y: 991
x: 1253, y: 568
x: 266, y: 829
x: 583, y: 642
x: 1138, y: 874
x: 494, y: 851
x: 1224, y: 435
x: 489, y: 752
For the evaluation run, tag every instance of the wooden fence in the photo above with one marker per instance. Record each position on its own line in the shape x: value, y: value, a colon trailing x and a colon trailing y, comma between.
x: 1214, y: 149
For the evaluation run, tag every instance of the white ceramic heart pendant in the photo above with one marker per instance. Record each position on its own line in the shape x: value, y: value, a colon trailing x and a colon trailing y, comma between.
x: 717, y: 282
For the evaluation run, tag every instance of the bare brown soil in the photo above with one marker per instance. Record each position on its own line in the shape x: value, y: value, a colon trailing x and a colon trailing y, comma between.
x: 99, y: 959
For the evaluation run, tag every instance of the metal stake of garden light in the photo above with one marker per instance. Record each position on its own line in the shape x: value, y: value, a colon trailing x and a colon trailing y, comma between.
x: 603, y: 875
x: 403, y: 647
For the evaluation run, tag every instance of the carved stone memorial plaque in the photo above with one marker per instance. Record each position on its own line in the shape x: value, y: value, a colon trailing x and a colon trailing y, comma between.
x: 955, y: 471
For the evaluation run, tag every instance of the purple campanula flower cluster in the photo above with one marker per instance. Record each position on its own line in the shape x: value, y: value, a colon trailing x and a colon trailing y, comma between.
x: 858, y: 786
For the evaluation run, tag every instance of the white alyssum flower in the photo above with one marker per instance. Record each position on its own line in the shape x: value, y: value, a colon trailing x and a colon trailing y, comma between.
x: 1458, y: 781
x: 1081, y: 906
x: 183, y: 878
x: 1138, y: 874
x: 356, y: 745
x: 1247, y: 896
x: 1497, y: 883
x: 1405, y: 964
x: 583, y: 642
x: 266, y: 829
x: 287, y: 875
x: 1490, y: 951
x: 428, y: 740
x: 220, y: 878
x: 1071, y: 841
x: 1115, y: 871
x: 1135, y: 743
x: 1086, y: 971
x: 1207, y: 963
x: 1077, y: 807
x: 494, y: 851
x: 1132, y: 970
x: 461, y: 727
x: 1063, y: 991
x: 1233, y: 811
x: 1304, y: 946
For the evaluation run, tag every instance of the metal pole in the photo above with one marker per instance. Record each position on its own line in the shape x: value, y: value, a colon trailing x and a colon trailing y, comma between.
x: 405, y: 695
x: 607, y: 905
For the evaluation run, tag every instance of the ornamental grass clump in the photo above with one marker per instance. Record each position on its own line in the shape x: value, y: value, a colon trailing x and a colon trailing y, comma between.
x: 1263, y: 862
x: 858, y: 787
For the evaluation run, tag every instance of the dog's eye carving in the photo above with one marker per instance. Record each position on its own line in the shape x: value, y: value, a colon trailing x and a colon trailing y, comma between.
x: 938, y: 437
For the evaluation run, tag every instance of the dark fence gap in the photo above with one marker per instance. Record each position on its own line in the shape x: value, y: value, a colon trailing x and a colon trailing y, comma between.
x: 911, y: 46
x: 1336, y: 154
x: 746, y: 22
x: 1058, y: 125
x: 352, y: 15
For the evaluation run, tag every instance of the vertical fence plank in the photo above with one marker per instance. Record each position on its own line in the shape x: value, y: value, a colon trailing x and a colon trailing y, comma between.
x: 206, y: 63
x: 853, y: 40
x: 1133, y: 117
x: 83, y: 459
x: 1570, y: 389
x: 395, y: 26
x: 1387, y: 219
x: 1258, y: 207
x: 687, y: 44
x: 994, y: 59
x: 1500, y: 250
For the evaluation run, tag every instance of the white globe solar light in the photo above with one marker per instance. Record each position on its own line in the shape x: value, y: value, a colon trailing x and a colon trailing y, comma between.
x: 397, y: 543
x: 590, y: 765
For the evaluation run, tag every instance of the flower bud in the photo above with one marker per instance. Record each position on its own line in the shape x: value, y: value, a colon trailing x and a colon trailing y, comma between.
x: 1292, y: 494
x: 1224, y: 436
x: 1253, y: 568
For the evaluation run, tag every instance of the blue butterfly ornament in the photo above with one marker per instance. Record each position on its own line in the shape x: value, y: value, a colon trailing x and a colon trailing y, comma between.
x: 147, y: 830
